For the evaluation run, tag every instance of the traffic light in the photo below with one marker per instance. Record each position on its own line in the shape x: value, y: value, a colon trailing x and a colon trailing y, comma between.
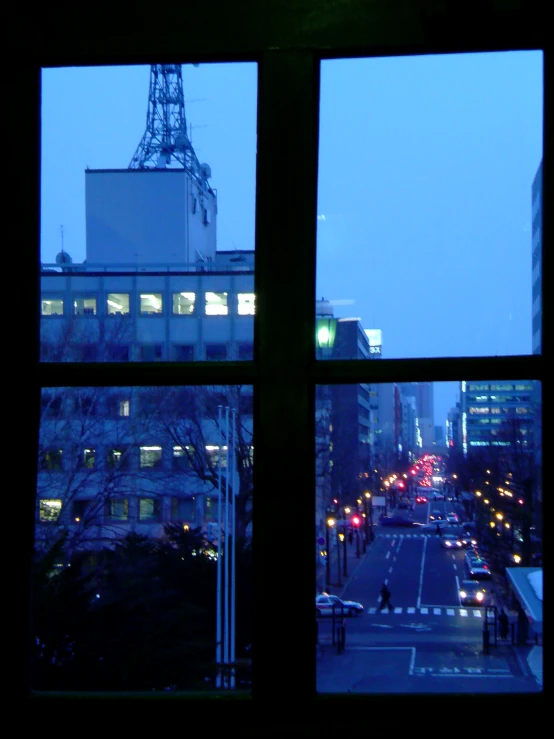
x: 401, y: 485
x: 356, y: 520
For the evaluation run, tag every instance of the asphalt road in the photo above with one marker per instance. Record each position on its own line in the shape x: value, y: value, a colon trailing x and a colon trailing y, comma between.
x: 427, y: 635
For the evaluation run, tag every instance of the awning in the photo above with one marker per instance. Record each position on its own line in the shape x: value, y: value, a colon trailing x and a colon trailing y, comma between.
x: 527, y: 592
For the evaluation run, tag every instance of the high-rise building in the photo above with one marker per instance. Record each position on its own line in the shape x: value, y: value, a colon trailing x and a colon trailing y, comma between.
x: 536, y: 193
x: 496, y: 414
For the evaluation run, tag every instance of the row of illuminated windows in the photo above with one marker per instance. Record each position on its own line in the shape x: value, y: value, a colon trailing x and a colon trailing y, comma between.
x: 488, y: 386
x: 146, y: 509
x: 122, y: 457
x: 498, y: 398
x: 93, y: 352
x: 150, y: 303
x: 497, y: 411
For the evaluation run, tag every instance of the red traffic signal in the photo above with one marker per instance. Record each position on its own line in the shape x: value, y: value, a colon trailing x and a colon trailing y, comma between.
x: 356, y: 521
x: 401, y: 485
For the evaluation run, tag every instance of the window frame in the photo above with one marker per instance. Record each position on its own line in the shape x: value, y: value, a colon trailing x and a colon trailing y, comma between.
x: 283, y: 395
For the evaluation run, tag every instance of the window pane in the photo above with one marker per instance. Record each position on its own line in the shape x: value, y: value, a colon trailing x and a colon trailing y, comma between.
x: 154, y: 241
x: 411, y: 487
x: 435, y: 242
x: 144, y: 473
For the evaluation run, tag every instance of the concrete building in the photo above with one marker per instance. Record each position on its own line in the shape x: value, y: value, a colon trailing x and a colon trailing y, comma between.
x: 423, y: 394
x: 494, y: 413
x: 536, y: 210
x: 152, y: 288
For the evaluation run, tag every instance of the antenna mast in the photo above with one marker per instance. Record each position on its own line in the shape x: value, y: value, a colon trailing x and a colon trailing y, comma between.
x: 165, y: 140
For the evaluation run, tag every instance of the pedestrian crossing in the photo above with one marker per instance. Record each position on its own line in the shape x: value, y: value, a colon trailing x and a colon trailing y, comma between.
x: 405, y: 536
x: 430, y: 610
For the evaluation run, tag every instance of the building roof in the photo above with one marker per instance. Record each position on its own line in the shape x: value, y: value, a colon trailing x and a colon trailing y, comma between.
x: 527, y: 585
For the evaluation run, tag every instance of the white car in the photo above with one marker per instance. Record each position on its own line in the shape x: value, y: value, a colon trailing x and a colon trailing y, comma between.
x: 449, y: 541
x: 324, y: 606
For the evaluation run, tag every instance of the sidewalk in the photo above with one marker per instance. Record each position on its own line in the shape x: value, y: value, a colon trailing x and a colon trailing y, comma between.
x: 338, y: 585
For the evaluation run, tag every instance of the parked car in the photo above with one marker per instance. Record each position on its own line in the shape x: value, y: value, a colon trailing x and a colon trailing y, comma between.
x: 472, y: 593
x: 451, y: 541
x: 324, y: 603
x: 395, y: 521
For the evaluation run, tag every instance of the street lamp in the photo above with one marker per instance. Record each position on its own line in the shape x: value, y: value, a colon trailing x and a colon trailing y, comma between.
x: 330, y: 523
x: 368, y: 503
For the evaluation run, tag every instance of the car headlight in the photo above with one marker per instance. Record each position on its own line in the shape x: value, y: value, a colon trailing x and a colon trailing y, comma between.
x: 448, y: 544
x: 458, y: 543
x: 480, y: 596
x: 463, y: 594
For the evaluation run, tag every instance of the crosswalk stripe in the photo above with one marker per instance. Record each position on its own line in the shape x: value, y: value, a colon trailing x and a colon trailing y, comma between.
x: 424, y: 610
x: 450, y: 611
x: 477, y: 614
x: 372, y: 610
x: 463, y: 612
x: 411, y: 610
x: 437, y: 611
x: 398, y: 610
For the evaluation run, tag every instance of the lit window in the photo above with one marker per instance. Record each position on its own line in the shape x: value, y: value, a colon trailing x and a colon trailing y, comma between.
x: 117, y: 304
x: 150, y: 303
x: 84, y: 306
x: 149, y: 509
x: 89, y: 456
x: 183, y: 304
x: 246, y: 304
x: 49, y: 510
x: 124, y: 407
x: 216, y: 304
x: 52, y: 306
x: 150, y: 456
x: 118, y: 509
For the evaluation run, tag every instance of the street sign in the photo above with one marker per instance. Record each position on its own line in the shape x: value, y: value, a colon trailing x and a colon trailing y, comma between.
x: 321, y: 541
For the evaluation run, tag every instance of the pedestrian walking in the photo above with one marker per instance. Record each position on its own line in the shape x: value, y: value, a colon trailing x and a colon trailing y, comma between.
x: 503, y: 623
x: 385, y: 598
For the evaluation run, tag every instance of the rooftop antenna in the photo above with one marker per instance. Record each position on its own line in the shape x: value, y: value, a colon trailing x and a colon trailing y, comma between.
x: 166, y: 141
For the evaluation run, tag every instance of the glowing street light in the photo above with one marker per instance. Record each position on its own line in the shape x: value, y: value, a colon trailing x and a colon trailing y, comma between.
x: 499, y: 516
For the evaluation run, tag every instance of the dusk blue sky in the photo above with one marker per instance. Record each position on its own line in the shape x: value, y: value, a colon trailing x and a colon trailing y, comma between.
x: 425, y: 173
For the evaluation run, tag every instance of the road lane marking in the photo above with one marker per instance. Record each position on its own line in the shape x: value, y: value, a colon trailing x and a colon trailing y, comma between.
x: 437, y: 611
x: 390, y: 569
x: 458, y: 590
x: 387, y: 555
x: 421, y: 574
x: 398, y: 610
x: 386, y: 581
x: 463, y: 612
x: 454, y: 566
x: 477, y: 614
x: 450, y: 611
x: 411, y: 610
x: 424, y: 610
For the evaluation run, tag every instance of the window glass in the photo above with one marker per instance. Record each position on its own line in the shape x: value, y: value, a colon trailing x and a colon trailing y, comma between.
x: 117, y: 304
x: 148, y: 230
x: 183, y: 303
x: 246, y: 304
x: 438, y: 209
x: 84, y: 306
x: 132, y: 539
x: 215, y: 352
x: 150, y: 303
x: 52, y: 306
x: 404, y: 481
x: 216, y: 304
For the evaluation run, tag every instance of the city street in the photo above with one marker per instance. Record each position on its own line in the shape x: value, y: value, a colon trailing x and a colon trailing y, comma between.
x: 427, y: 634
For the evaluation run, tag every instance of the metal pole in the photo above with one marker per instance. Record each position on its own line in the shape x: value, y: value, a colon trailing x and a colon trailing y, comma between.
x: 234, y: 547
x: 358, y: 543
x: 344, y: 552
x: 327, y: 558
x: 219, y: 550
x: 226, y: 588
x: 339, y: 581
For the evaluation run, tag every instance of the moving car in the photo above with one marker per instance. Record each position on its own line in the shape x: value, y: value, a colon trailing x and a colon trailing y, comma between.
x: 450, y: 541
x: 452, y: 517
x: 433, y: 526
x: 436, y: 516
x: 472, y: 593
x: 324, y: 603
x: 395, y: 521
x: 478, y: 569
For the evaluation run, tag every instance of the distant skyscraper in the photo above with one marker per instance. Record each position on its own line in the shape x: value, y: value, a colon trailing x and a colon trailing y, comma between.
x: 536, y: 192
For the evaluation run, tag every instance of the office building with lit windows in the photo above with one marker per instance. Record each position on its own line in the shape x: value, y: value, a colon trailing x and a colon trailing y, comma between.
x: 150, y: 289
x: 496, y: 414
